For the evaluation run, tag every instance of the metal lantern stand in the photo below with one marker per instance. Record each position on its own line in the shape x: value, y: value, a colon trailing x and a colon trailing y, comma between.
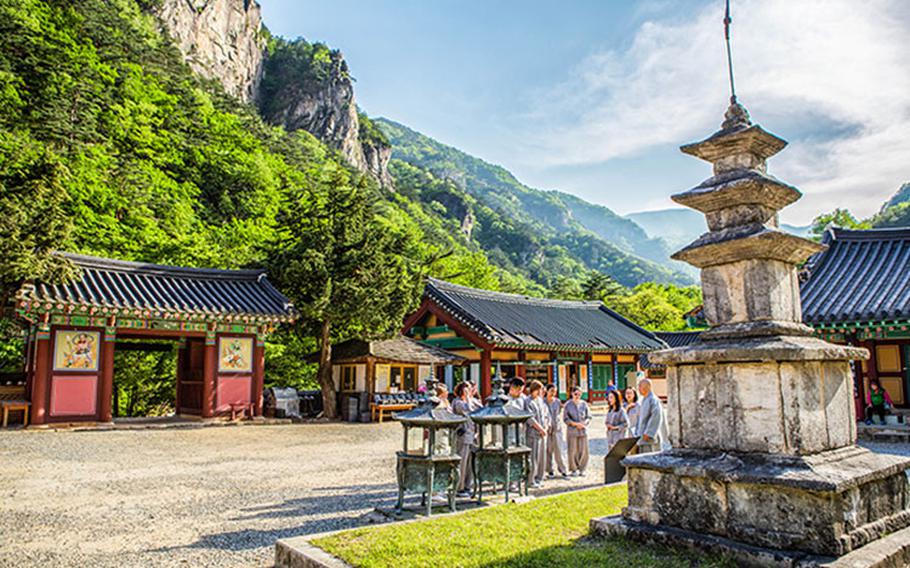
x: 501, y: 456
x: 433, y: 466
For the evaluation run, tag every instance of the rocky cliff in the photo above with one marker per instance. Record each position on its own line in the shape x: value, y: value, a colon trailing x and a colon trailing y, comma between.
x: 220, y: 39
x: 298, y: 85
x: 308, y: 87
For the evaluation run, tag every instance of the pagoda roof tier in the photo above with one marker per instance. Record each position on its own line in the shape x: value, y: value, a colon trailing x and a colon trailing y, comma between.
x: 740, y: 139
x: 754, y: 241
x: 738, y: 187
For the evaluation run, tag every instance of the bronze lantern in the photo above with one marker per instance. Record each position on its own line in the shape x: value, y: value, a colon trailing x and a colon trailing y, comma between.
x: 501, y: 455
x: 432, y: 465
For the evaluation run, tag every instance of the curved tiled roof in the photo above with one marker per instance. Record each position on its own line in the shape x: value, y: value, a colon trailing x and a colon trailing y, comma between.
x: 516, y: 320
x: 863, y: 276
x: 401, y: 349
x: 672, y: 339
x: 202, y: 292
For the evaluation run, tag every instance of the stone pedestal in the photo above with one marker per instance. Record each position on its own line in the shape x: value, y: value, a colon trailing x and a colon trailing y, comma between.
x: 760, y: 413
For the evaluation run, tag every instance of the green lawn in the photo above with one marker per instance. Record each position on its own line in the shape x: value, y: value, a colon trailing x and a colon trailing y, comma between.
x: 545, y: 532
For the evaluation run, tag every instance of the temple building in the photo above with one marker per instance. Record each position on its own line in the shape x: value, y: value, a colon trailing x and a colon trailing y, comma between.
x: 569, y: 343
x: 218, y: 318
x: 857, y: 292
x: 387, y: 366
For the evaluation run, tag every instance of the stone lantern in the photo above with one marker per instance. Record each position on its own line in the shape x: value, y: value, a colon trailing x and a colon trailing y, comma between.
x: 501, y: 456
x: 432, y: 464
x: 760, y: 412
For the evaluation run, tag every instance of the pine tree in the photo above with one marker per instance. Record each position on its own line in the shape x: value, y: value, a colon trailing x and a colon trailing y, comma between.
x: 342, y: 269
x: 33, y: 219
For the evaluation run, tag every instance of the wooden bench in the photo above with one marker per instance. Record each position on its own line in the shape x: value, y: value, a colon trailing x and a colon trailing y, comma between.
x: 12, y: 399
x: 243, y: 409
x: 383, y: 409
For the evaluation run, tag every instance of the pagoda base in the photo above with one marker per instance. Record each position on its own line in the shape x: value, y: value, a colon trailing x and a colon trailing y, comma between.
x: 891, y: 551
x: 826, y: 504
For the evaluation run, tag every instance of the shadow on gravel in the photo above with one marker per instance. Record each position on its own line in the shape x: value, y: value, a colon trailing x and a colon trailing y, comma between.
x: 337, y: 500
x: 312, y: 510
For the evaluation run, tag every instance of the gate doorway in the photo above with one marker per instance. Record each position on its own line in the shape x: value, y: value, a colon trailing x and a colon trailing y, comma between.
x: 145, y: 378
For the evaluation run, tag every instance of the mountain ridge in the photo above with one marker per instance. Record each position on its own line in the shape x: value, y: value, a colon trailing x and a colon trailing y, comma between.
x: 548, y: 218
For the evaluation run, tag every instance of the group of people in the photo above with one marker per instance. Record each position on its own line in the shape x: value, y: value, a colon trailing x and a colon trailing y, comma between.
x: 627, y: 417
x: 552, y: 421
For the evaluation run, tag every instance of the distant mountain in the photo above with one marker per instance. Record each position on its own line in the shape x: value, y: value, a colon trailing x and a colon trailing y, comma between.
x: 679, y: 227
x: 895, y: 212
x: 545, y: 234
x: 901, y: 196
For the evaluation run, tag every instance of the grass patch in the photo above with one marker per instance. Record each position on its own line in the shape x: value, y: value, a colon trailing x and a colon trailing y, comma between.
x: 545, y: 532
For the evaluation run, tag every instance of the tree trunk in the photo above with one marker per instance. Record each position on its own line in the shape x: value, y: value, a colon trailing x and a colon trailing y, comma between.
x: 325, y: 371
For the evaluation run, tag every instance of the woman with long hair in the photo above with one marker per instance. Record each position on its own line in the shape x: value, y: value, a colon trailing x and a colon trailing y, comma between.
x: 632, y: 410
x: 617, y: 421
x: 877, y: 401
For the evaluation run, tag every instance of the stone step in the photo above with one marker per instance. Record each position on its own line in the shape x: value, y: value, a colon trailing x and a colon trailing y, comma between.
x: 897, y: 433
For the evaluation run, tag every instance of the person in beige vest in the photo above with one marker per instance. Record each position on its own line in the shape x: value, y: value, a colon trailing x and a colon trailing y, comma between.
x: 577, y: 417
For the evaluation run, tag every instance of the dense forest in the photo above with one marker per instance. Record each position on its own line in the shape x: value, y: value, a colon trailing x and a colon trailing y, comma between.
x: 111, y: 146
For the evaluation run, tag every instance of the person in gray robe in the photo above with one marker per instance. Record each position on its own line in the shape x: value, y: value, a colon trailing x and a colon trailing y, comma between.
x: 632, y: 410
x: 617, y: 421
x: 519, y: 401
x: 463, y: 405
x: 554, y: 438
x: 576, y: 416
x: 538, y: 430
x: 649, y: 419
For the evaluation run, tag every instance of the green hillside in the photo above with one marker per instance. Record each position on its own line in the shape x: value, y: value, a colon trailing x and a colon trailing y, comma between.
x: 544, y: 235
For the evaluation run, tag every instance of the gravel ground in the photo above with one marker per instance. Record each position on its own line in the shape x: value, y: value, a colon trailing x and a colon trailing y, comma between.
x: 884, y: 448
x: 196, y: 497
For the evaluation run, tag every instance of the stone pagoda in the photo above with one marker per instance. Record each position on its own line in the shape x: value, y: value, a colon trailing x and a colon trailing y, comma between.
x: 760, y: 412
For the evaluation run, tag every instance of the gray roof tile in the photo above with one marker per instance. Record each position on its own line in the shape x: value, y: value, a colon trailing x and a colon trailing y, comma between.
x: 863, y: 276
x: 118, y: 284
x: 523, y: 320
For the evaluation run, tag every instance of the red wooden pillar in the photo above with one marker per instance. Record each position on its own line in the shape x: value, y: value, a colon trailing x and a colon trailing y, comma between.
x: 182, y: 366
x: 486, y: 369
x: 38, y: 414
x: 209, y: 372
x: 106, y: 389
x: 520, y: 366
x: 258, y: 376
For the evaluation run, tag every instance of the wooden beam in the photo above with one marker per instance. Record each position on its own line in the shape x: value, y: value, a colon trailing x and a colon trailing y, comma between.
x: 486, y: 378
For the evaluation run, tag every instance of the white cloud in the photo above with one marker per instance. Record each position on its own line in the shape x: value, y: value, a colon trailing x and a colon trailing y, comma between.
x: 832, y: 75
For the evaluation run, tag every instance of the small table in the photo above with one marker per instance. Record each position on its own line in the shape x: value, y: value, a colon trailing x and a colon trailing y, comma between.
x: 241, y: 408
x: 14, y: 405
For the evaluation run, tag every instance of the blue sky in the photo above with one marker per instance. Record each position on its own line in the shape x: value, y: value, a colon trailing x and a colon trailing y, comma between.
x: 594, y: 97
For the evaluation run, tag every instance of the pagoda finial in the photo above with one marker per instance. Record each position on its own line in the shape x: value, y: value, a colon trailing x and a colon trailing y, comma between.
x: 736, y: 116
x: 727, y: 21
